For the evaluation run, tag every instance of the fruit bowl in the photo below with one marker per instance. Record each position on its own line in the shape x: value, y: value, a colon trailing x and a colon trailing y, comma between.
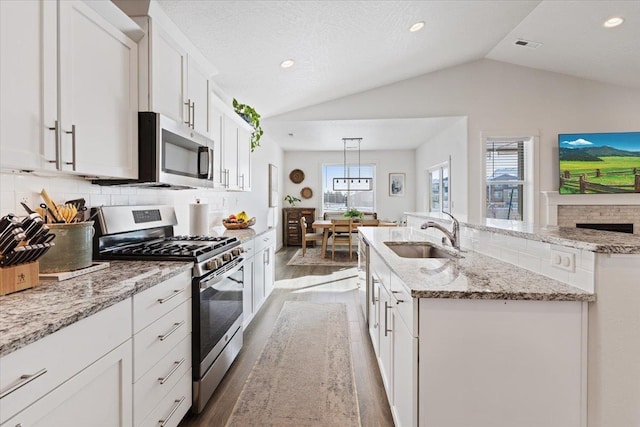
x: 238, y: 225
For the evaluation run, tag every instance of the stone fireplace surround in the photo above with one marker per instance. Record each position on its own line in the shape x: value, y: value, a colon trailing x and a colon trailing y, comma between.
x: 569, y: 210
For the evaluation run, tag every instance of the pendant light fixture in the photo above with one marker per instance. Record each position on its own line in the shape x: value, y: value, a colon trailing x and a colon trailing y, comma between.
x: 348, y: 183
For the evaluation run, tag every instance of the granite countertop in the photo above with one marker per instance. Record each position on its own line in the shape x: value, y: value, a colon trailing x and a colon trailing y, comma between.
x: 32, y: 314
x: 473, y: 276
x: 606, y: 242
x: 244, y: 234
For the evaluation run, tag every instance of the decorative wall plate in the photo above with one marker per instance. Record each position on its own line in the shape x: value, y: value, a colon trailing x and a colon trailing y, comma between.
x: 306, y: 193
x: 296, y: 176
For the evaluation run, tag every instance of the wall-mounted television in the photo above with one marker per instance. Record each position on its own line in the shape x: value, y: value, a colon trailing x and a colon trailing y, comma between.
x: 593, y: 163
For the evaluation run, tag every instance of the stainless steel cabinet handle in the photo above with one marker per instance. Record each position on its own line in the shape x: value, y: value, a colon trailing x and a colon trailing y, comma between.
x: 24, y: 380
x: 386, y: 319
x: 172, y: 371
x: 241, y: 177
x: 171, y: 331
x: 398, y: 301
x: 193, y: 115
x: 73, y: 146
x: 188, y: 104
x: 175, y: 293
x: 57, y: 160
x: 176, y: 405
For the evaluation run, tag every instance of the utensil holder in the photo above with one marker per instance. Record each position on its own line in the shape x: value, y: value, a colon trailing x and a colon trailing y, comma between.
x: 73, y: 248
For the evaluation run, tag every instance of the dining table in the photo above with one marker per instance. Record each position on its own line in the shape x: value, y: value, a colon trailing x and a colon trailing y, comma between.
x: 326, y: 225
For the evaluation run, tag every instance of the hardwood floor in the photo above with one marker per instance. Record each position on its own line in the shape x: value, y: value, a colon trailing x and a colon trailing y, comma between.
x: 303, y: 283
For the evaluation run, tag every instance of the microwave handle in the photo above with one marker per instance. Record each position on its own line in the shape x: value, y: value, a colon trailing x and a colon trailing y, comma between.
x: 203, y: 151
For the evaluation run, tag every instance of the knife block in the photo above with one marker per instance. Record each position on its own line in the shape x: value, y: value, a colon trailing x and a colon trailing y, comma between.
x: 18, y: 277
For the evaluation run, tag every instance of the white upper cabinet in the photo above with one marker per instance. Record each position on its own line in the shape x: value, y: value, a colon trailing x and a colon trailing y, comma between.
x: 198, y: 96
x: 232, y: 148
x: 28, y: 75
x: 98, y: 95
x: 175, y: 80
x: 168, y: 88
x: 230, y: 153
x: 244, y: 158
x: 86, y: 124
x: 217, y: 135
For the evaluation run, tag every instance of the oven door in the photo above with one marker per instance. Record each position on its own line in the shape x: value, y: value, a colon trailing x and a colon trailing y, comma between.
x: 217, y: 317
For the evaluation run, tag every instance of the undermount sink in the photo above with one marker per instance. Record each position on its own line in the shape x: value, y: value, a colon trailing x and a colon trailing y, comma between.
x: 419, y: 250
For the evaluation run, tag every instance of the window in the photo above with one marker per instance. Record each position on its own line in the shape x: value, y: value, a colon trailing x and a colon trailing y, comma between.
x: 334, y: 201
x: 508, y: 191
x: 438, y: 187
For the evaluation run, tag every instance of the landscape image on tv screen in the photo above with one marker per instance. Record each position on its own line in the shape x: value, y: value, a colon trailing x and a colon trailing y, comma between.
x: 599, y: 162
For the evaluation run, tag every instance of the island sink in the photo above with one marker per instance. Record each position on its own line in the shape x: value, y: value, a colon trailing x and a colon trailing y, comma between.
x: 419, y: 250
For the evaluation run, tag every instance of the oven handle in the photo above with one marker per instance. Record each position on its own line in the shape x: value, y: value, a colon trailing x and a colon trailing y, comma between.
x: 239, y: 266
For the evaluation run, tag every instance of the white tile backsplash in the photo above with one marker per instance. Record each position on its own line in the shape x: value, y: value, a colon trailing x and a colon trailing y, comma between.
x: 532, y: 255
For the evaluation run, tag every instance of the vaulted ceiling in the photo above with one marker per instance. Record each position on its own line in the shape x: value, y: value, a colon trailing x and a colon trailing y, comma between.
x: 345, y: 47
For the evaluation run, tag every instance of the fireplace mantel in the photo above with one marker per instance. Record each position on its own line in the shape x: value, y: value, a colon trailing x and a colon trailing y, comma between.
x: 601, y: 206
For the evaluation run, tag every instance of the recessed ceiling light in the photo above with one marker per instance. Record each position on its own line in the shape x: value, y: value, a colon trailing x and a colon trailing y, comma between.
x: 287, y: 63
x: 613, y: 21
x: 417, y: 26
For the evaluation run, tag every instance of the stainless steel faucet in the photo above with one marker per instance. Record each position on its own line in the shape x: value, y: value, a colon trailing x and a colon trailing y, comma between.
x: 453, y: 235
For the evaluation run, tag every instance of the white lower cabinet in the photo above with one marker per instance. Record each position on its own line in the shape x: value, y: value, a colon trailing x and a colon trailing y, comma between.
x: 75, y: 376
x: 394, y: 343
x: 247, y: 290
x: 259, y: 273
x: 127, y: 365
x: 162, y: 352
x: 264, y: 272
x: 100, y: 395
x: 482, y: 363
x: 404, y: 349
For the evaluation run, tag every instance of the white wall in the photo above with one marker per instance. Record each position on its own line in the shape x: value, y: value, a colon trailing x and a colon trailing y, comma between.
x: 451, y: 142
x: 15, y: 188
x: 496, y: 97
x: 310, y: 162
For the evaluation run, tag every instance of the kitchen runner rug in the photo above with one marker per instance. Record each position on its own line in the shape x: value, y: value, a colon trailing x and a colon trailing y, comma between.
x: 312, y: 257
x: 304, y: 376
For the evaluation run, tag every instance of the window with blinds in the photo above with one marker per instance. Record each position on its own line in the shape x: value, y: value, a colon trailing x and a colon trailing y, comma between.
x: 505, y: 179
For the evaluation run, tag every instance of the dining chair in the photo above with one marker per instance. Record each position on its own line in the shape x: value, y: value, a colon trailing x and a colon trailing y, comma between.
x: 306, y: 236
x: 341, y: 235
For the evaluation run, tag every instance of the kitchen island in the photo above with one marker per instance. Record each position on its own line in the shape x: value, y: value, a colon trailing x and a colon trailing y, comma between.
x: 467, y: 339
x: 604, y: 264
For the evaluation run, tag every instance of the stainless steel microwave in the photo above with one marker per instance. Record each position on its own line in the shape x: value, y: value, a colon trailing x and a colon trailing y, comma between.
x: 170, y: 155
x: 173, y: 154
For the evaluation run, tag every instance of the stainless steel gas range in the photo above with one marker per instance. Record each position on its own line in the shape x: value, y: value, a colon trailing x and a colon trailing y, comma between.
x: 146, y: 233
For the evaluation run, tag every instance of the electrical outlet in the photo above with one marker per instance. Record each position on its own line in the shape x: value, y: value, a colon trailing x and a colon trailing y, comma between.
x: 563, y: 260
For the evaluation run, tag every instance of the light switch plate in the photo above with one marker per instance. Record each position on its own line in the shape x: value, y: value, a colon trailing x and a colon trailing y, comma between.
x: 563, y: 260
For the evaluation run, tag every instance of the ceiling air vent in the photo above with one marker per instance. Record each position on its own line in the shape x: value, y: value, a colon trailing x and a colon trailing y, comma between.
x: 527, y: 43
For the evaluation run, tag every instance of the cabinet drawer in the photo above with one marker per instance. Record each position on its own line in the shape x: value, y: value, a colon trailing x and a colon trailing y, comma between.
x: 404, y: 304
x: 102, y: 391
x: 156, y: 340
x: 160, y: 379
x: 160, y: 299
x: 57, y: 357
x: 173, y: 406
x: 264, y: 240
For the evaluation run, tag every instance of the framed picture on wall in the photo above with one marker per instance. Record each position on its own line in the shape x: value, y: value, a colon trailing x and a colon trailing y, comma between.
x: 396, y: 184
x: 273, y: 186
